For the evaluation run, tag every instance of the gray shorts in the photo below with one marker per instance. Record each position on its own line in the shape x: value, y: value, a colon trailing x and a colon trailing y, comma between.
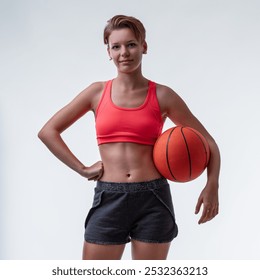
x: 124, y: 211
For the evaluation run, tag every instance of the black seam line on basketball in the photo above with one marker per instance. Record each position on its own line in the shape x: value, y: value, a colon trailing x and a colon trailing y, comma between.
x: 203, y: 147
x: 187, y: 147
x: 166, y: 151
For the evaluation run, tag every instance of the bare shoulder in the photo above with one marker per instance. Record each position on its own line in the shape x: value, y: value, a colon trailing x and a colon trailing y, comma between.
x: 94, y: 89
x: 166, y: 96
x: 97, y: 86
x: 165, y: 92
x: 173, y: 106
x: 91, y: 95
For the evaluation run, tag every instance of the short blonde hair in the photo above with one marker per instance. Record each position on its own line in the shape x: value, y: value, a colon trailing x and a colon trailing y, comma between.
x: 121, y: 21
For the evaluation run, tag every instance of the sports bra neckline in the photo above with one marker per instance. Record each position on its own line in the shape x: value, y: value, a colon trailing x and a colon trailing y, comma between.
x: 129, y: 108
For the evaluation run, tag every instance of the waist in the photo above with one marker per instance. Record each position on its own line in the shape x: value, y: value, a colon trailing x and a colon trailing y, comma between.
x: 128, y: 162
x: 132, y: 186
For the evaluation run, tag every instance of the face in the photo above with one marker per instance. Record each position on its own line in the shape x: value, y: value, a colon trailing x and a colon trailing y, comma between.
x: 125, y: 50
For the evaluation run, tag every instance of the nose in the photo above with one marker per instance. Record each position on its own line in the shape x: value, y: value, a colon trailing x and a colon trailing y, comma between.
x: 124, y: 51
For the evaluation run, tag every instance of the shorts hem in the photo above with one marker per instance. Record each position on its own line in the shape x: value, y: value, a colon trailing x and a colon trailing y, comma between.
x: 152, y: 241
x: 107, y: 242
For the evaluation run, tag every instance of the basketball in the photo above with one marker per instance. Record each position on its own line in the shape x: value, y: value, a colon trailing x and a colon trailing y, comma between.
x: 181, y: 154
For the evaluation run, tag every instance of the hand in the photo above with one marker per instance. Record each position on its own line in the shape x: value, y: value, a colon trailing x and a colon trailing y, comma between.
x: 93, y: 172
x: 209, y: 199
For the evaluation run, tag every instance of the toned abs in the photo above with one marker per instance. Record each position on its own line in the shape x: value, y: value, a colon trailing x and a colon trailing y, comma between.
x: 127, y: 162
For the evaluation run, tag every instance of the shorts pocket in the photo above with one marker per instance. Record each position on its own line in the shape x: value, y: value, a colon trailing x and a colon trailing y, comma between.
x: 96, y: 203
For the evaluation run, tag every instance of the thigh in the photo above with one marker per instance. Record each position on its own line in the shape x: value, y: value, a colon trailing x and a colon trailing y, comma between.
x: 149, y: 251
x: 93, y: 251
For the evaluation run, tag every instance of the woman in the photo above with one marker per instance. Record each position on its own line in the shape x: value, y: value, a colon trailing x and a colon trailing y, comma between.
x: 132, y: 201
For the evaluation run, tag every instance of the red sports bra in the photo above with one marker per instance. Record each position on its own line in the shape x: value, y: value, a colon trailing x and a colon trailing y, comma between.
x: 141, y: 125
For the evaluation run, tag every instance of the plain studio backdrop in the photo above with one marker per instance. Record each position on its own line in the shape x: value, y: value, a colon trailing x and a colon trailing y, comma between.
x: 207, y: 51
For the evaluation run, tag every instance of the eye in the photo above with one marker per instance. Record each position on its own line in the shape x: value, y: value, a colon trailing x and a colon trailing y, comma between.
x: 115, y: 47
x: 132, y: 45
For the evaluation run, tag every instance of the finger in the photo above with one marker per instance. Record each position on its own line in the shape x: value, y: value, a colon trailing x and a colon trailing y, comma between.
x: 202, y: 219
x: 215, y: 212
x: 100, y: 175
x: 206, y: 214
x: 97, y: 173
x: 97, y: 176
x: 209, y: 214
x: 101, y: 172
x: 197, y: 208
x: 93, y: 178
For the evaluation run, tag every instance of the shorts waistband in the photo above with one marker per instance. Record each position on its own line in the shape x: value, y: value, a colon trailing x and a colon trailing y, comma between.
x: 133, y: 186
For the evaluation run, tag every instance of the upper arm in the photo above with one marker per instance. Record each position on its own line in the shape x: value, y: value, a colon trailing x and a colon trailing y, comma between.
x: 174, y: 107
x: 85, y: 101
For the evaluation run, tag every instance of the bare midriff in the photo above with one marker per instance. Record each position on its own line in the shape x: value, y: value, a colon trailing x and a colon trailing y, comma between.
x: 128, y: 162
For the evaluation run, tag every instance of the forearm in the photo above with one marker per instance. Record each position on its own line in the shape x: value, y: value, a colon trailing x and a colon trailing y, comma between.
x: 54, y: 142
x: 213, y: 168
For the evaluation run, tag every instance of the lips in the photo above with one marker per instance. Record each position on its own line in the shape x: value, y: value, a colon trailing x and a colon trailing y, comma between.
x: 125, y: 61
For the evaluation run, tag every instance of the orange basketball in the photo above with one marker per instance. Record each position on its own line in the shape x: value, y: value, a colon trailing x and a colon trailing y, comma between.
x: 181, y: 154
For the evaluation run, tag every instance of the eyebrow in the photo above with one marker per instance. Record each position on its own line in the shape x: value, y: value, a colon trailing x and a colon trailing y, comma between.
x: 130, y: 41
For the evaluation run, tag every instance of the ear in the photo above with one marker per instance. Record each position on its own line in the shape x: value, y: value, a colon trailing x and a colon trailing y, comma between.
x: 145, y: 47
x: 108, y: 51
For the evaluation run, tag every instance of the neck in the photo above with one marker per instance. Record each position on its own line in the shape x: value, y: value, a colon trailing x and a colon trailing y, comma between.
x: 131, y: 80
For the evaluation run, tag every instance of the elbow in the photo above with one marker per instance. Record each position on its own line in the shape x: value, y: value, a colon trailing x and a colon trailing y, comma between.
x: 42, y: 134
x: 45, y: 133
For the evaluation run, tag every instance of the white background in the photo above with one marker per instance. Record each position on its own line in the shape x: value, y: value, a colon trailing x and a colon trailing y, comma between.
x: 207, y: 51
